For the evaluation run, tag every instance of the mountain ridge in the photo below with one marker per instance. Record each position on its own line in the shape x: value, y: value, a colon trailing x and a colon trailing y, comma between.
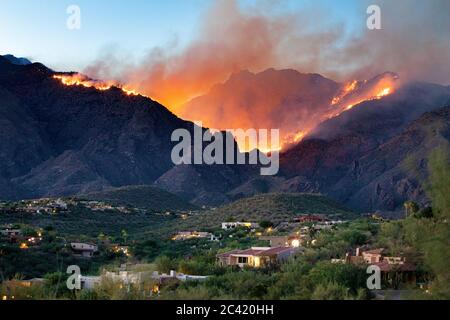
x: 63, y: 140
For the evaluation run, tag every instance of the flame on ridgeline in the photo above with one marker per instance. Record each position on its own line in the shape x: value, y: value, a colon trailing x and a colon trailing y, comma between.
x: 350, y: 95
x: 356, y: 92
x: 78, y: 79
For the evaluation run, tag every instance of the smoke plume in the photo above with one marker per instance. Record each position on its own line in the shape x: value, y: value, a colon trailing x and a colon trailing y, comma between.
x: 413, y: 42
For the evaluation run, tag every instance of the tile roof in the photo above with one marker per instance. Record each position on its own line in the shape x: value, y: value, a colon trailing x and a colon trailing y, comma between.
x: 229, y: 253
x: 250, y: 252
x: 385, y: 266
x: 375, y: 251
x: 274, y: 251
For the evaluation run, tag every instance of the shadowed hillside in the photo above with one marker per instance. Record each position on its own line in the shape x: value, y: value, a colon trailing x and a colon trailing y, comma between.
x: 145, y: 197
x: 281, y: 206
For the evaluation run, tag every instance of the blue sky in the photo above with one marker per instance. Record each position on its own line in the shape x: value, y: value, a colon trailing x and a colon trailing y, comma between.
x: 37, y: 29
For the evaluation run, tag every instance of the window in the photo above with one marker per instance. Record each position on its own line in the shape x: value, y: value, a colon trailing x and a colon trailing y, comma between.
x: 242, y: 260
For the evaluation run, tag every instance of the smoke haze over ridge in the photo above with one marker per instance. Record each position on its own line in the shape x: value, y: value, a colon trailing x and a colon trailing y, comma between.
x: 413, y: 42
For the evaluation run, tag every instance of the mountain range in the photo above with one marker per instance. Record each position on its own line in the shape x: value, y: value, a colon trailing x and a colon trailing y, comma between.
x: 62, y: 140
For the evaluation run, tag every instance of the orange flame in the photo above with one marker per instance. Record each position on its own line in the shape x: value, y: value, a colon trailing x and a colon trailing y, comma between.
x: 355, y: 93
x: 351, y: 94
x: 78, y: 79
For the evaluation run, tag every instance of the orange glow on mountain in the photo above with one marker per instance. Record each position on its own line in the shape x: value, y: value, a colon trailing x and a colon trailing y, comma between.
x: 78, y: 79
x: 293, y: 129
x: 357, y: 92
x: 382, y: 93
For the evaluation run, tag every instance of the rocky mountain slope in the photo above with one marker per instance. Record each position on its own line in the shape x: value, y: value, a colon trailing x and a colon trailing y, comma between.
x: 338, y: 147
x: 65, y: 140
x: 61, y: 140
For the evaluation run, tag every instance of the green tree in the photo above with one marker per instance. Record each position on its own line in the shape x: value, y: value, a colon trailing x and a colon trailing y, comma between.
x: 265, y: 224
x: 411, y: 208
x: 124, y: 234
x: 330, y: 291
x: 165, y: 264
x: 55, y: 286
x: 431, y: 236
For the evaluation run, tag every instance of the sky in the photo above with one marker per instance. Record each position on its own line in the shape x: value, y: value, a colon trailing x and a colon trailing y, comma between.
x: 37, y: 29
x: 176, y: 50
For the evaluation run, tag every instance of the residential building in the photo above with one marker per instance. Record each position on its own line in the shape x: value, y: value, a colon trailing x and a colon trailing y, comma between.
x: 284, y: 241
x: 186, y: 235
x: 233, y: 225
x: 310, y: 218
x: 85, y: 250
x: 11, y: 232
x: 11, y: 235
x: 256, y: 257
x: 394, y: 269
x: 372, y: 256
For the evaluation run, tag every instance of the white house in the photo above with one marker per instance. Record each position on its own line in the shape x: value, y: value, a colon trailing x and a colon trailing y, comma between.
x: 232, y: 225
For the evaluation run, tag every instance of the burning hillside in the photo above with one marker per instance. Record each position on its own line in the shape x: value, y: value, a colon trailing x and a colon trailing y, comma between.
x: 287, y: 100
x: 356, y: 92
x: 78, y: 79
x: 293, y: 102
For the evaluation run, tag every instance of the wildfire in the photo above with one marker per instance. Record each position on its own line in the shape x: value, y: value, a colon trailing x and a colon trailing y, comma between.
x: 78, y: 79
x: 384, y: 92
x: 350, y: 95
x: 299, y: 136
x: 349, y: 88
x: 356, y: 92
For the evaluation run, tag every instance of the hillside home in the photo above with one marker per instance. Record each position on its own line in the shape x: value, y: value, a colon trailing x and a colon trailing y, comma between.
x: 11, y: 235
x: 186, y: 235
x: 233, y: 225
x: 310, y: 218
x: 137, y: 278
x: 293, y: 241
x: 255, y: 257
x: 84, y: 250
x: 11, y: 232
x: 394, y: 270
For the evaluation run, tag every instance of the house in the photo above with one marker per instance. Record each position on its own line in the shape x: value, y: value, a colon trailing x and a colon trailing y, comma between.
x: 255, y: 257
x: 322, y: 226
x: 12, y: 235
x: 372, y: 256
x: 128, y: 278
x: 85, y: 250
x: 175, y: 275
x: 186, y: 235
x: 60, y: 204
x: 365, y: 257
x: 215, y: 238
x: 394, y: 269
x: 11, y: 232
x: 284, y: 241
x: 233, y: 225
x: 310, y: 218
